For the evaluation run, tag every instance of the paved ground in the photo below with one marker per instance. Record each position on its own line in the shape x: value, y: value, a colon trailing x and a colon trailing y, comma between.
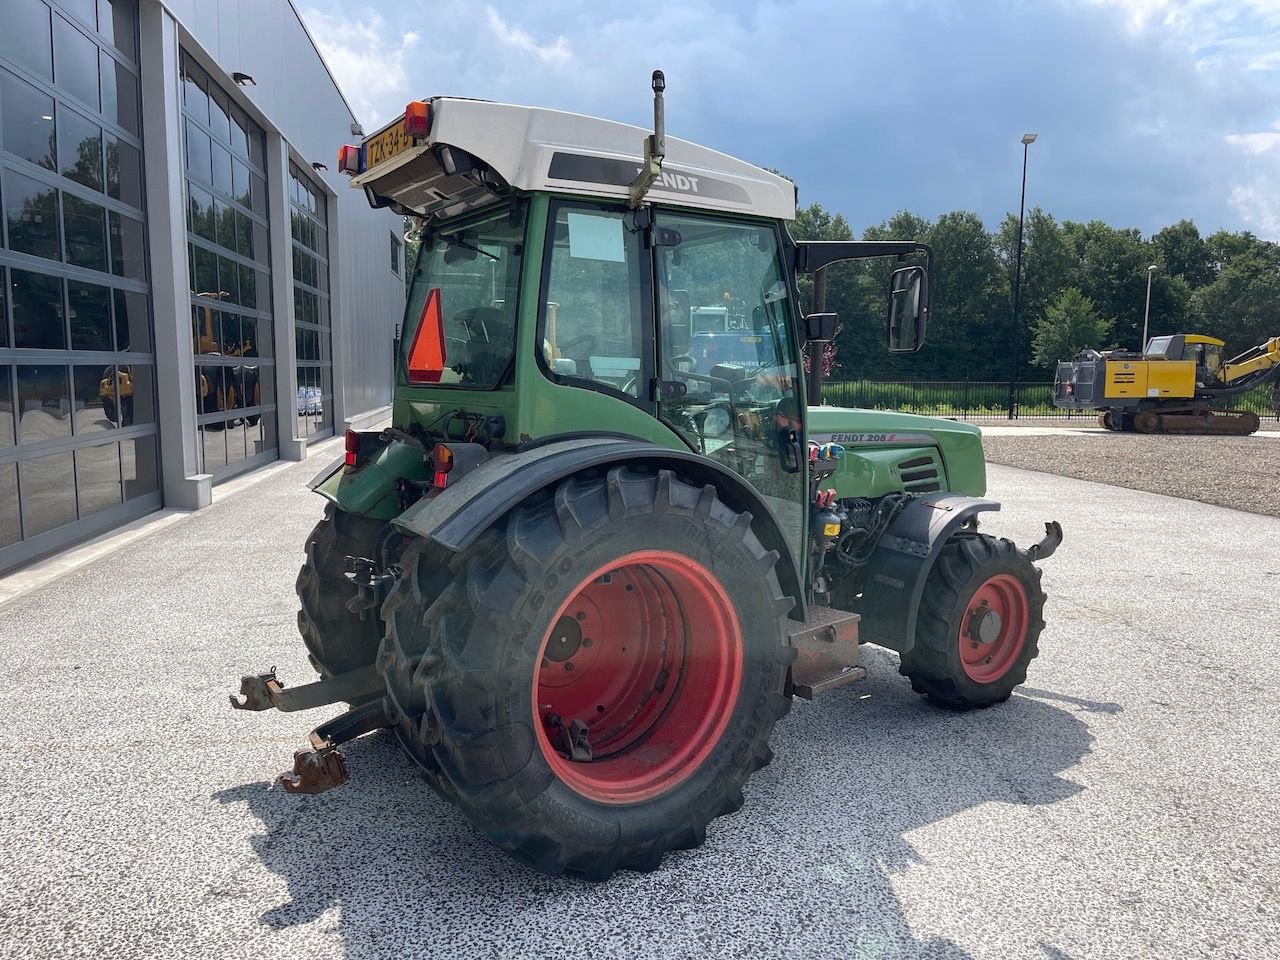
x: 1123, y: 805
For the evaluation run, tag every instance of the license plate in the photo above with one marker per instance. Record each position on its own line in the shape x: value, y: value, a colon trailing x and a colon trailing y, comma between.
x: 385, y: 144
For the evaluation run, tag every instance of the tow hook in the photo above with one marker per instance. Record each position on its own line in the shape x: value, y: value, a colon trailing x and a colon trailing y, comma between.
x: 371, y: 583
x: 1052, y: 540
x: 323, y: 766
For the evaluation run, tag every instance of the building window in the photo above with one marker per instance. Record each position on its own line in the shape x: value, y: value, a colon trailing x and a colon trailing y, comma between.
x: 77, y: 364
x: 228, y: 247
x: 396, y: 246
x: 312, y: 338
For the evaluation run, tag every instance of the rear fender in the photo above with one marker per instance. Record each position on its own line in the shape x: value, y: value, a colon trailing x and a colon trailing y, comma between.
x: 458, y: 515
x: 371, y: 489
x: 896, y: 574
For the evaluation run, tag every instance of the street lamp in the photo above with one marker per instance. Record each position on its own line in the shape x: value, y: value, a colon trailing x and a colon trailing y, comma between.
x: 1027, y: 140
x: 1146, y: 313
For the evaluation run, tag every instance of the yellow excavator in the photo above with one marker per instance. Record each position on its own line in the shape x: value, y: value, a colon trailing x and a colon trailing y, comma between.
x: 1169, y: 387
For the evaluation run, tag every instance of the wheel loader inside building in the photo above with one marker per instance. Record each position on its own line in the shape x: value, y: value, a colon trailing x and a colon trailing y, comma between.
x: 1170, y: 387
x: 588, y: 567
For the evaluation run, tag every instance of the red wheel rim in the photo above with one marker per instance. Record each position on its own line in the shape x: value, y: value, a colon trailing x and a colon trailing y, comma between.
x: 993, y: 628
x: 647, y: 653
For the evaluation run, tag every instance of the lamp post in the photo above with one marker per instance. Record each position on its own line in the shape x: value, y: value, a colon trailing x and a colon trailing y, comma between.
x: 1027, y: 140
x: 1146, y: 313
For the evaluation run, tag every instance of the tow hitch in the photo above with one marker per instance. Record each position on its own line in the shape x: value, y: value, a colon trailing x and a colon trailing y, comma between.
x: 1052, y: 540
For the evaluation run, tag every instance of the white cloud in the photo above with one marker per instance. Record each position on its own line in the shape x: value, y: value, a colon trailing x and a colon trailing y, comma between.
x: 368, y: 58
x: 1254, y: 143
x: 1258, y: 203
x: 557, y: 51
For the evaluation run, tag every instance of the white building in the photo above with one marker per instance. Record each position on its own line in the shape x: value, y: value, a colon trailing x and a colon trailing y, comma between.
x: 188, y: 289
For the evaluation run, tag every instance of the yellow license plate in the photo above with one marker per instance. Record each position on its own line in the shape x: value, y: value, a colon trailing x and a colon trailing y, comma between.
x: 385, y: 144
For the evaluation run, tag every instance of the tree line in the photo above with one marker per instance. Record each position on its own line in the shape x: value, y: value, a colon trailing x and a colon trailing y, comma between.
x: 1083, y: 285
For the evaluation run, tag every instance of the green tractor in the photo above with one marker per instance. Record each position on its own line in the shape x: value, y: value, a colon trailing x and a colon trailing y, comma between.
x: 585, y: 571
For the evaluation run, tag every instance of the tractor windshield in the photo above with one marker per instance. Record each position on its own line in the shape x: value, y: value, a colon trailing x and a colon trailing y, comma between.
x: 460, y: 320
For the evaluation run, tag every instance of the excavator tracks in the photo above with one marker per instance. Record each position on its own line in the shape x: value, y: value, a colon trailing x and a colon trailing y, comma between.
x: 1203, y: 422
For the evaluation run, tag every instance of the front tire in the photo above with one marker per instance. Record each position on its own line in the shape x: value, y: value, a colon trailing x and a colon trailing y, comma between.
x: 979, y: 623
x: 635, y: 616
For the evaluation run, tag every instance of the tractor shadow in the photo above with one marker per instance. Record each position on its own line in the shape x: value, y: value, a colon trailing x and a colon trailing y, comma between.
x: 805, y: 869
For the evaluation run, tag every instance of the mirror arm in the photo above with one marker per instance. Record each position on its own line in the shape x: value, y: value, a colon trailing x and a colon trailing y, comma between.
x: 813, y: 255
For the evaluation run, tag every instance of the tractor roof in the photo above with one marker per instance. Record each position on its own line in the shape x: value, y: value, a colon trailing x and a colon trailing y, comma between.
x: 532, y: 148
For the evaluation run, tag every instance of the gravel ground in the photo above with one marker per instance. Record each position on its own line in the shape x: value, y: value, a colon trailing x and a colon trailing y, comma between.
x: 1236, y: 472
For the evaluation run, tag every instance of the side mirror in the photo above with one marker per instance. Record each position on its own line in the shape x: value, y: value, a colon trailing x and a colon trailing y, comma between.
x: 820, y: 326
x: 908, y: 309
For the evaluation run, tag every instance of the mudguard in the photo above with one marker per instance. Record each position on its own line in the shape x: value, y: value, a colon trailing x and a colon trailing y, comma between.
x: 460, y: 514
x: 896, y: 574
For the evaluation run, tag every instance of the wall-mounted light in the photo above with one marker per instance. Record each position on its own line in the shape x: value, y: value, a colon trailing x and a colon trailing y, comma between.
x: 357, y: 130
x: 243, y: 79
x: 317, y: 165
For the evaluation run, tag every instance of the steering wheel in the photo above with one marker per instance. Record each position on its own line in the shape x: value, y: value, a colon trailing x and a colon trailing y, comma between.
x: 584, y: 343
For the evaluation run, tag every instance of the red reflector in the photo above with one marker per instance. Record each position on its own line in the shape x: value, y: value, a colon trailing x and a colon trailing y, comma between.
x: 426, y: 356
x: 348, y: 159
x: 417, y: 119
x: 352, y: 442
x: 441, y: 480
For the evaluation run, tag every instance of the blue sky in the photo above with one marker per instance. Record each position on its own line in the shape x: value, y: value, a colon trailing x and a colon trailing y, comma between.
x: 1148, y: 111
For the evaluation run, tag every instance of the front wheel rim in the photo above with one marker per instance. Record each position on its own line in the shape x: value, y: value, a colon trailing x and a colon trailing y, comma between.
x: 647, y: 654
x: 993, y: 629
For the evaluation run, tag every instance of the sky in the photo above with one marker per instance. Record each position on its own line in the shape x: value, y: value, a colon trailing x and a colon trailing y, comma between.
x: 1147, y: 111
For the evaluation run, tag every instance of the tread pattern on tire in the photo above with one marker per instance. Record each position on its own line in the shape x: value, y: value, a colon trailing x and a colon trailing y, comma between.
x: 452, y: 679
x: 933, y: 662
x: 337, y: 639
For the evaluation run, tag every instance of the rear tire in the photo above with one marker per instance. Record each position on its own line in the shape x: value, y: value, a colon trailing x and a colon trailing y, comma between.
x: 683, y: 717
x: 963, y: 656
x: 338, y: 640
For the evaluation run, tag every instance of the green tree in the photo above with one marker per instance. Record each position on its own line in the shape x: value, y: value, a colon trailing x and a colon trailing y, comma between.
x: 1185, y: 254
x: 1069, y: 325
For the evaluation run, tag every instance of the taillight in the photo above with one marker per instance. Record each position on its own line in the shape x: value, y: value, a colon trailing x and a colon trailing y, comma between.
x: 348, y: 159
x: 352, y: 441
x: 426, y: 356
x: 441, y: 464
x: 417, y: 119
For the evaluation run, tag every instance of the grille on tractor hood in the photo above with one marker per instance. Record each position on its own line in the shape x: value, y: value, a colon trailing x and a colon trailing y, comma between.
x: 921, y: 474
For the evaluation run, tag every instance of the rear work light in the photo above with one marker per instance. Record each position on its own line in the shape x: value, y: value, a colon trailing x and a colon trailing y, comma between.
x: 417, y: 118
x: 348, y: 159
x: 352, y: 442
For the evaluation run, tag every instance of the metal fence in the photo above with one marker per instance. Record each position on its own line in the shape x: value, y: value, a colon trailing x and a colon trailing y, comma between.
x: 989, y: 399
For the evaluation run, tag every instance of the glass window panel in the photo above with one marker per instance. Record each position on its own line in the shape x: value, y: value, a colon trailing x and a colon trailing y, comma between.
x: 205, y: 279
x: 25, y: 38
x: 267, y: 384
x: 138, y: 389
x: 115, y: 19
x: 138, y: 466
x: 258, y: 187
x: 235, y: 435
x: 244, y: 235
x: 248, y: 289
x: 133, y: 329
x: 257, y: 145
x: 206, y: 329
x: 98, y: 478
x: 195, y: 97
x: 90, y: 311
x: 239, y: 132
x: 263, y: 346
x: 84, y: 223
x: 10, y: 525
x: 228, y: 280
x: 240, y: 182
x: 4, y: 311
x: 221, y: 171
x: 260, y: 245
x: 32, y: 211
x: 79, y: 148
x: 124, y: 171
x: 230, y: 333
x: 75, y: 62
x: 219, y: 114
x: 119, y: 94
x: 37, y: 311
x: 199, y: 159
x: 97, y: 391
x: 200, y: 213
x: 48, y: 492
x: 86, y: 10
x: 225, y: 222
x: 215, y: 446
x: 8, y: 423
x: 28, y: 120
x: 44, y: 403
x: 249, y: 335
x: 127, y: 256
